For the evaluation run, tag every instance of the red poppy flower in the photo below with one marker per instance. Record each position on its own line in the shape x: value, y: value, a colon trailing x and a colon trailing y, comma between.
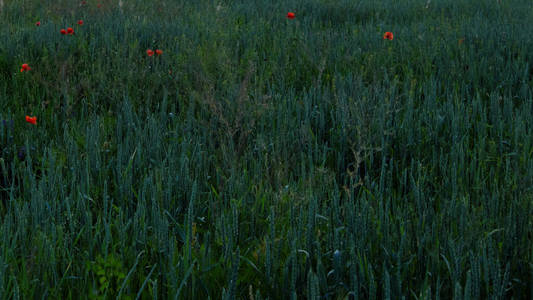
x: 290, y: 15
x: 32, y: 120
x: 83, y: 2
x: 38, y: 23
x: 70, y: 30
x: 80, y: 22
x: 158, y: 51
x: 25, y: 67
x: 63, y: 31
x: 388, y: 36
x: 149, y: 52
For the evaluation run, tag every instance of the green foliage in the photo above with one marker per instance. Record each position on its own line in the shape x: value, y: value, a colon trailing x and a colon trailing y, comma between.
x: 265, y: 158
x: 109, y: 272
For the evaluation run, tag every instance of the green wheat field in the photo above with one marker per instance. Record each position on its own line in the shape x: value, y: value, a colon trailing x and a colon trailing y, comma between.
x: 256, y: 155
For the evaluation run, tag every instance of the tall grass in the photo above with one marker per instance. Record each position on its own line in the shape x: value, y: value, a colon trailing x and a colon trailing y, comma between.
x: 267, y: 158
